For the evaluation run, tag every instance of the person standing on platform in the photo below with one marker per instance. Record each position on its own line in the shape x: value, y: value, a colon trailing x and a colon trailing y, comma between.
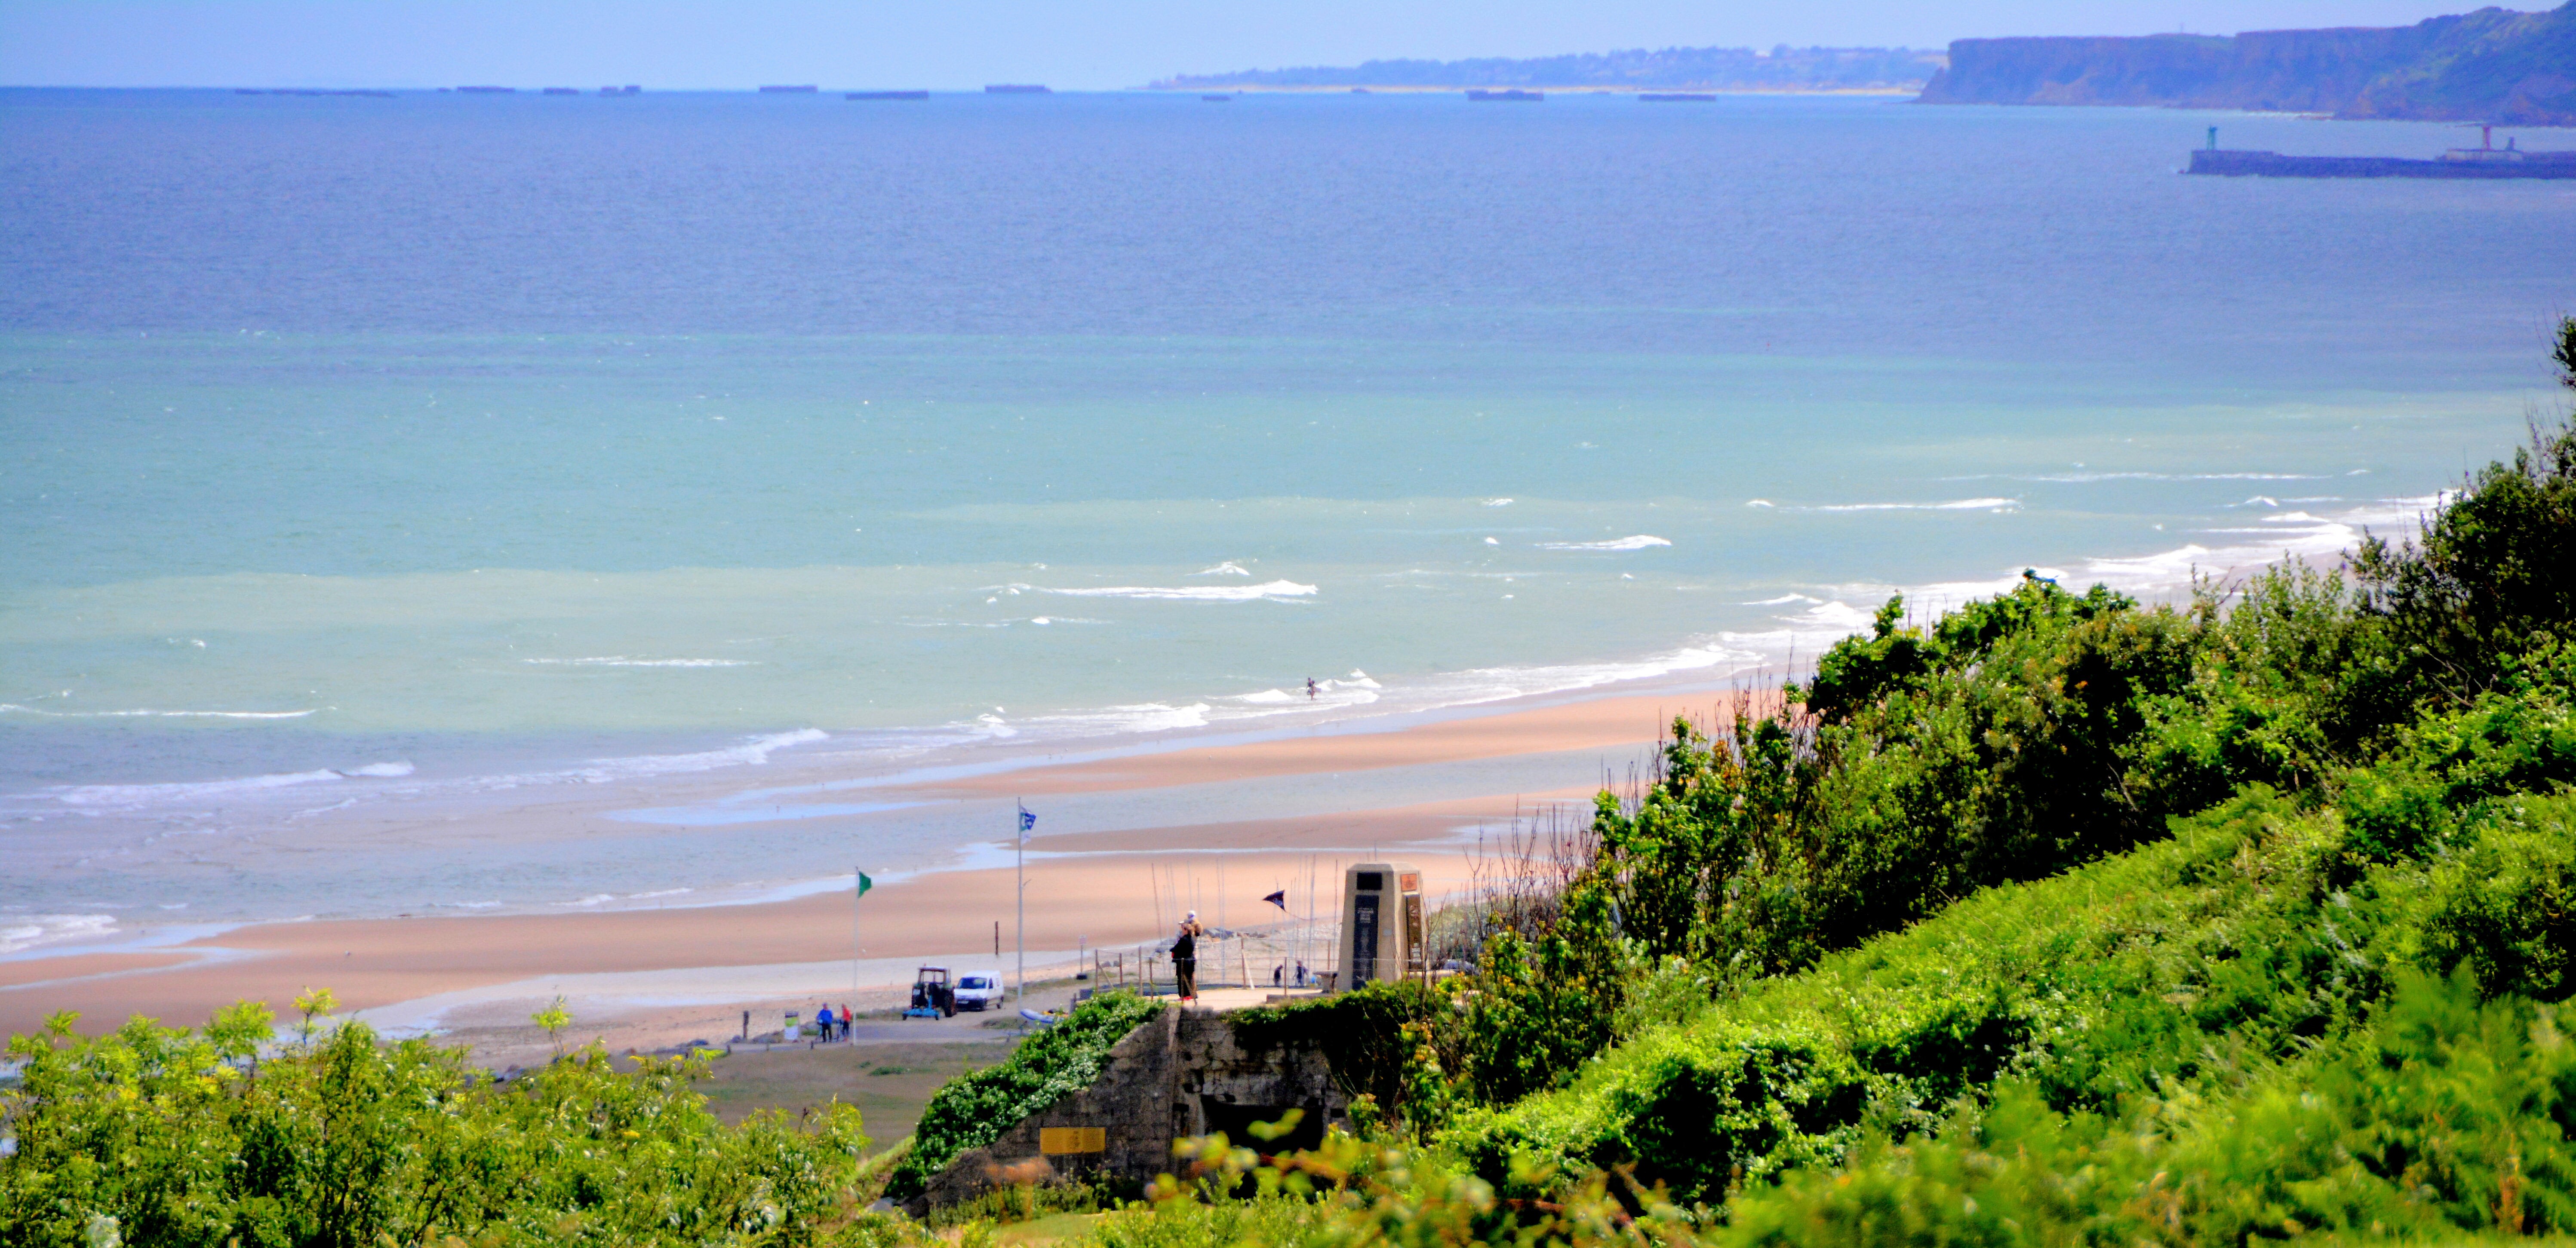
x: 1185, y: 957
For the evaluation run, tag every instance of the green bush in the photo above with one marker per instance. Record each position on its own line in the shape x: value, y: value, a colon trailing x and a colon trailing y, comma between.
x: 1994, y: 745
x: 347, y: 1143
x: 2449, y: 1116
x: 2235, y: 945
x: 974, y: 1109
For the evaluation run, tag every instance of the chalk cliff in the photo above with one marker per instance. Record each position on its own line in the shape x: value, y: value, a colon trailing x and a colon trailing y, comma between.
x: 2490, y: 65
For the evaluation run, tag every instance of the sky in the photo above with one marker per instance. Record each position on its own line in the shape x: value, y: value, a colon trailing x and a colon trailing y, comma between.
x: 1070, y: 44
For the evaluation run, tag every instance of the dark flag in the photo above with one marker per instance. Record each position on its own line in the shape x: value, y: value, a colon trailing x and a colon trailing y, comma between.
x: 1279, y: 899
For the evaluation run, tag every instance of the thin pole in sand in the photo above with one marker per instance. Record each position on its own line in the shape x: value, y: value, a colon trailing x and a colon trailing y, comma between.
x: 1021, y: 936
x: 863, y: 884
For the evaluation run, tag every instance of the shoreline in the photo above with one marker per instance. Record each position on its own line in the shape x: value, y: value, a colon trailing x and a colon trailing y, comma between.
x: 415, y: 846
x: 1102, y: 882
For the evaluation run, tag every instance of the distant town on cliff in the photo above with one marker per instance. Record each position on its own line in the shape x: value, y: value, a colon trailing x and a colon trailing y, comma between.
x: 2491, y: 65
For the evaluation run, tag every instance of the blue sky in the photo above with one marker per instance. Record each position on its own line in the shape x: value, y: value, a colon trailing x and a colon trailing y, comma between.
x: 965, y: 43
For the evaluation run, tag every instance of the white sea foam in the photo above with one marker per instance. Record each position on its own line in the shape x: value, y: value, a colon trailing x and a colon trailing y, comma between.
x: 149, y: 714
x: 1359, y: 690
x: 108, y: 797
x: 1269, y: 590
x: 2081, y: 478
x: 1958, y: 504
x: 1639, y: 541
x: 619, y: 660
x: 1783, y: 600
x: 1108, y: 720
x: 644, y: 766
x: 1498, y: 502
x: 20, y: 932
x: 2157, y: 574
x: 104, y: 799
x: 1831, y: 615
x: 1227, y: 568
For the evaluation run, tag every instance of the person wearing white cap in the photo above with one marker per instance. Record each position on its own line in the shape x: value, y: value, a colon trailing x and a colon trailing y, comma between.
x: 1185, y: 957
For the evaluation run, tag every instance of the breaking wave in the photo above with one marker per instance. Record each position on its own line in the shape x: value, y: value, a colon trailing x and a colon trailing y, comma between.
x: 148, y: 714
x: 1267, y: 590
x: 1640, y: 541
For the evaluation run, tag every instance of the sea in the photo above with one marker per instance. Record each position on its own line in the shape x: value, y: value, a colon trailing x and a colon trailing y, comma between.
x: 368, y: 454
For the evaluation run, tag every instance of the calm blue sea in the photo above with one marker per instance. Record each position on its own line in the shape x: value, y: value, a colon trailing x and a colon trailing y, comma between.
x: 443, y: 437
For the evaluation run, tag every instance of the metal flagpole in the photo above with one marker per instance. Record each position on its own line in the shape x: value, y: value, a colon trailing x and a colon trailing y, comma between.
x: 1027, y: 821
x: 855, y: 894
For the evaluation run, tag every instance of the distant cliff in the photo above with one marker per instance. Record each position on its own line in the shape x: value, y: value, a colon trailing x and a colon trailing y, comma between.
x: 1783, y: 68
x: 2491, y: 65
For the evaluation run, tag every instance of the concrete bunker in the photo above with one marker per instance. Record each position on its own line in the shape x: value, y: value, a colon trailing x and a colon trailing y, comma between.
x: 1182, y: 1073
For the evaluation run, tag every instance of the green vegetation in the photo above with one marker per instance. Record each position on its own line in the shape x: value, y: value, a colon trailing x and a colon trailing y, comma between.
x: 2059, y: 918
x: 157, y: 1136
x: 975, y: 1109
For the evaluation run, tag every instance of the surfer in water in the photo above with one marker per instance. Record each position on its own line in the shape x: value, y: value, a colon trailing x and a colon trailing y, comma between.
x: 1312, y: 692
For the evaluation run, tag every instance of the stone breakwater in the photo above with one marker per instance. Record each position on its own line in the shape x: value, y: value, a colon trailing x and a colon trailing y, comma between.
x: 2245, y: 164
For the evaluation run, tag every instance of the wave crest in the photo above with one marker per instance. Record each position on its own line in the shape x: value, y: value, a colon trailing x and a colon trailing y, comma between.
x: 1640, y: 541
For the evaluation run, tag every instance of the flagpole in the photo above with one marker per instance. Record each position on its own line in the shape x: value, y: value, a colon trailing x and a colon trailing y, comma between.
x: 1021, y: 937
x: 860, y: 886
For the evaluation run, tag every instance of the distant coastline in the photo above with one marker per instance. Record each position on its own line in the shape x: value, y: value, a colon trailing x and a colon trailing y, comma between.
x: 2493, y: 65
x: 1781, y: 69
x: 1452, y: 88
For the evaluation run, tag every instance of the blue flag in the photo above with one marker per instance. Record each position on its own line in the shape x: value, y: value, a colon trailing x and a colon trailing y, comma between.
x: 1027, y: 821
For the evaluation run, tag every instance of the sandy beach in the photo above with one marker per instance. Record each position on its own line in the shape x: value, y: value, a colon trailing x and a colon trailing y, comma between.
x: 643, y: 977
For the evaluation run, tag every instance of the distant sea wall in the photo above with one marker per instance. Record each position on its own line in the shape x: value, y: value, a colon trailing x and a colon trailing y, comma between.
x: 2491, y: 65
x: 1782, y: 68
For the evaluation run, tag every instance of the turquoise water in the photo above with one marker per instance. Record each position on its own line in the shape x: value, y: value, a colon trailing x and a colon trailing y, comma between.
x: 465, y: 438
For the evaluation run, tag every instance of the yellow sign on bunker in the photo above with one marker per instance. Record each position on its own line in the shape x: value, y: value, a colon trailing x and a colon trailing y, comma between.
x: 1061, y: 1141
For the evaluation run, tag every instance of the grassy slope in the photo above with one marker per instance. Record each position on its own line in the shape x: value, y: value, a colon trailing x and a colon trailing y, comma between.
x: 2192, y: 964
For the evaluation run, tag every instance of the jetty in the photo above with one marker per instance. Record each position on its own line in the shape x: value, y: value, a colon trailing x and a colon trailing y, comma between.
x: 1016, y: 88
x: 886, y: 95
x: 2484, y: 161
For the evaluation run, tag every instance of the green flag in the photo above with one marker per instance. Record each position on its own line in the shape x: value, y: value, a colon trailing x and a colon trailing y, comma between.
x: 865, y: 883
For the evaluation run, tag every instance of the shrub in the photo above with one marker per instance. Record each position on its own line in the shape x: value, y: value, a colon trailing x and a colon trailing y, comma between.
x: 2448, y: 1116
x: 974, y: 1109
x: 150, y: 1133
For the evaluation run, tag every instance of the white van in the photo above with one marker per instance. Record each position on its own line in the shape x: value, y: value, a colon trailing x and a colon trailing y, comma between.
x: 979, y: 990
